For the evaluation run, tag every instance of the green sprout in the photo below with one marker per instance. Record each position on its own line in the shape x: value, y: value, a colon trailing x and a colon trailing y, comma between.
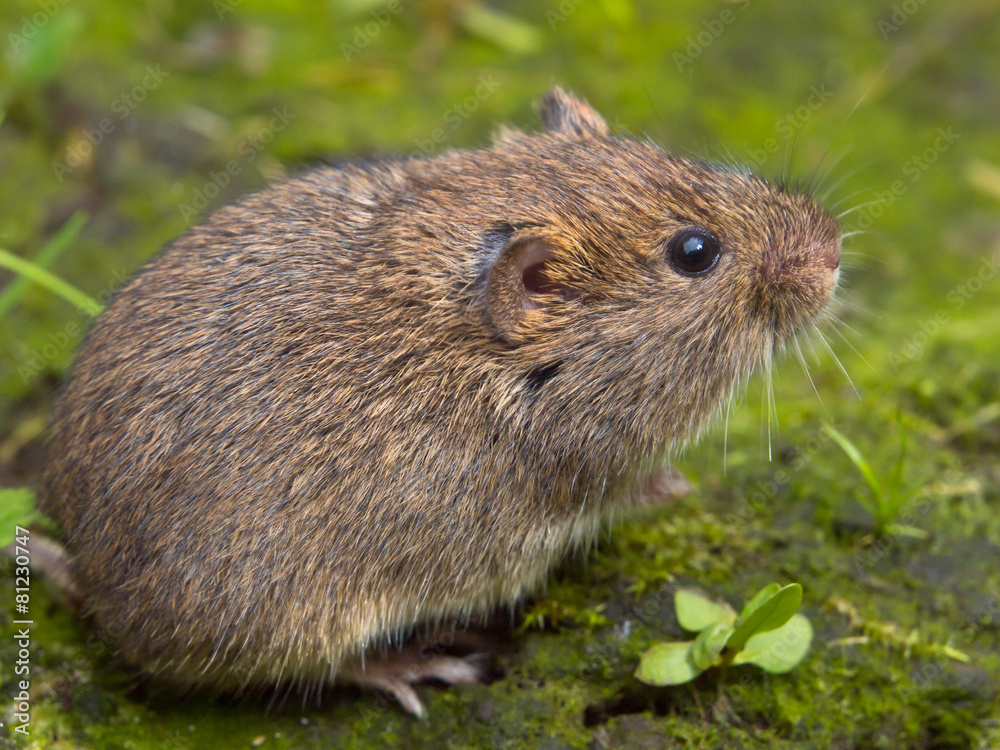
x: 768, y: 633
x: 886, y: 500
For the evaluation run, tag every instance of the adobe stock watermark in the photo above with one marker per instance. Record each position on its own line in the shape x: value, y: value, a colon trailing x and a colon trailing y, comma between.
x: 224, y: 7
x: 912, y: 347
x: 901, y: 13
x: 36, y: 360
x: 711, y: 30
x: 103, y: 640
x: 925, y: 675
x: 887, y: 541
x: 789, y: 123
x: 363, y: 34
x: 90, y: 139
x: 248, y: 150
x: 22, y: 634
x: 763, y: 492
x: 651, y: 610
x: 453, y: 118
x: 564, y: 10
x: 913, y: 168
x: 31, y: 25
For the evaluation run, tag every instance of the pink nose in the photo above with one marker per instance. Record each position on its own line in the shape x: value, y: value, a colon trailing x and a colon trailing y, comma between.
x: 828, y: 255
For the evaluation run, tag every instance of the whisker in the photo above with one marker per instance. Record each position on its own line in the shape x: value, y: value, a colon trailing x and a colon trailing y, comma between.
x: 849, y: 262
x: 840, y: 322
x: 725, y: 434
x: 848, y: 196
x: 812, y: 346
x: 859, y: 254
x: 854, y: 232
x: 845, y: 120
x: 846, y: 301
x: 860, y: 168
x: 829, y: 170
x: 762, y: 402
x: 772, y: 410
x: 649, y: 98
x: 847, y: 341
x: 839, y: 363
x: 854, y: 261
x: 785, y: 165
x: 732, y: 161
x: 805, y: 368
x: 765, y: 404
x: 858, y: 207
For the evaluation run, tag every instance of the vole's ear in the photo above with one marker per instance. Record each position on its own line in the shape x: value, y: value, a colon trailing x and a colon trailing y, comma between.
x: 564, y: 113
x: 522, y: 285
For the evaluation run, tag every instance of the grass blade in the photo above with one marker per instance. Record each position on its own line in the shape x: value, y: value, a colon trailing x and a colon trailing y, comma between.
x: 51, y: 282
x: 52, y: 250
x: 863, y: 466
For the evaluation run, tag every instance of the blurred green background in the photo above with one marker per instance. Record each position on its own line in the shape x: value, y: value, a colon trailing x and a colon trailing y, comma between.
x: 136, y: 118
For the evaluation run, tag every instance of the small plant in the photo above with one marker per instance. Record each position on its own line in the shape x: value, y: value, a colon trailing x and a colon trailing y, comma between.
x: 886, y: 500
x: 768, y: 633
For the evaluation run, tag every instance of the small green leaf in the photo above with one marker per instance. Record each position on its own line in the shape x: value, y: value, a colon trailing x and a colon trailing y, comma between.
x: 705, y: 649
x: 667, y: 664
x: 759, y: 598
x: 695, y: 611
x: 17, y: 508
x: 772, y: 613
x: 778, y: 651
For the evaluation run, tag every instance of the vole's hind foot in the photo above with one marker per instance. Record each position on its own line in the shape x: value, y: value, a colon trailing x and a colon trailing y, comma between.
x: 396, y: 673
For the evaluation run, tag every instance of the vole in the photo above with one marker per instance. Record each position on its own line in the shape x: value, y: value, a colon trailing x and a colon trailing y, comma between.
x: 394, y: 393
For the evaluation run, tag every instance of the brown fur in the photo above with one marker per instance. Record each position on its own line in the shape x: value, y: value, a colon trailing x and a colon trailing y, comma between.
x: 333, y: 410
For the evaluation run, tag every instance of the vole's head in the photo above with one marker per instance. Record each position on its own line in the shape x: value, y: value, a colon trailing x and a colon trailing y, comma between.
x: 641, y: 288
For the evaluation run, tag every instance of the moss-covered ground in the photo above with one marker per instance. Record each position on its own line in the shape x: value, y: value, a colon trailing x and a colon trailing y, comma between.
x: 144, y: 115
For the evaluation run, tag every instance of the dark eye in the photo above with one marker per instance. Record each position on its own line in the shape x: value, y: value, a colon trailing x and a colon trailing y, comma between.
x: 694, y: 251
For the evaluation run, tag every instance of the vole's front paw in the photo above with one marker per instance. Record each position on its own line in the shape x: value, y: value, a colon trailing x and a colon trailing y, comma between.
x: 396, y: 672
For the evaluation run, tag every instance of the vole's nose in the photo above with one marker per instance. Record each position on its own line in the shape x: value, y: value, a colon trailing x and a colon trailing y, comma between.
x: 828, y: 255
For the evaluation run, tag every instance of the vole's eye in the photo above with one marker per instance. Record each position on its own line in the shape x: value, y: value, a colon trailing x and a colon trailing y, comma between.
x: 694, y: 251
